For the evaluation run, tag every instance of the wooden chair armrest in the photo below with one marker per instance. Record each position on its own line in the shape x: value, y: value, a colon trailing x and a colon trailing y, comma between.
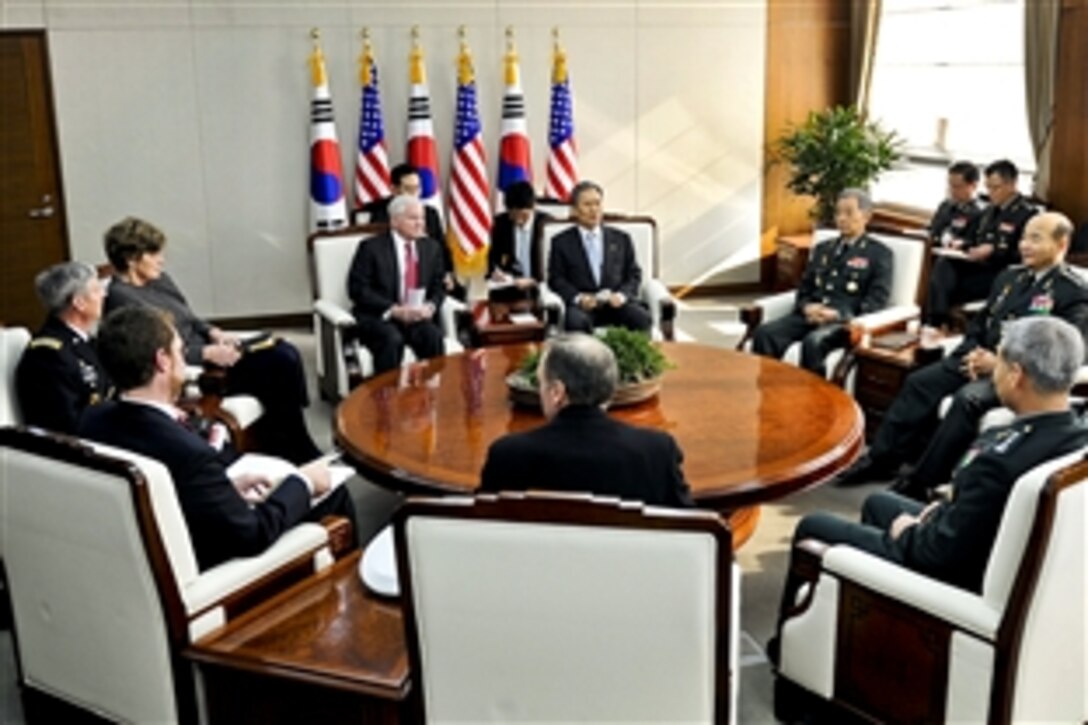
x: 213, y: 382
x: 806, y: 563
x: 751, y: 316
x: 341, y: 535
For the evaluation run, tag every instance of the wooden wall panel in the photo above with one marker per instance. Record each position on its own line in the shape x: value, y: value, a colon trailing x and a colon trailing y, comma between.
x: 808, y: 48
x: 1069, y: 151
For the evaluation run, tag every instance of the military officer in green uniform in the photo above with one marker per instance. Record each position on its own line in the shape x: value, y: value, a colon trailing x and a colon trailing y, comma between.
x: 981, y: 256
x: 847, y: 276
x: 956, y: 219
x: 1043, y: 286
x: 950, y: 538
x: 59, y: 374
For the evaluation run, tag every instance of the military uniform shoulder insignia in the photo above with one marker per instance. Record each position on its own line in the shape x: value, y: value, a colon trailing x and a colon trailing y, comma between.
x: 1072, y: 275
x: 51, y: 343
x: 1008, y: 437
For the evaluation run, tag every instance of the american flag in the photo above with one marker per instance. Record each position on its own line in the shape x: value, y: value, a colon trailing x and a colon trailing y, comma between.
x: 470, y: 211
x: 371, y: 163
x: 562, y: 151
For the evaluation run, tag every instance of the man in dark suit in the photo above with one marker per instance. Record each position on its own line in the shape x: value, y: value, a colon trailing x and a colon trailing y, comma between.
x: 226, y: 517
x: 594, y: 270
x: 847, y: 276
x: 581, y: 448
x: 386, y: 275
x: 988, y: 251
x: 1044, y: 285
x: 59, y: 374
x: 404, y: 178
x: 514, y: 253
x: 950, y: 538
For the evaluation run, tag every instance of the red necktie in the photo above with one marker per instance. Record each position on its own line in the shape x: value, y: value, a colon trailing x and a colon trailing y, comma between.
x: 411, y: 269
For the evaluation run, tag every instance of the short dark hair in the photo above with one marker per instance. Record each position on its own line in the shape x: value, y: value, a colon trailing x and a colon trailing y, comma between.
x: 131, y: 238
x: 399, y: 171
x: 582, y: 187
x: 519, y: 195
x: 965, y: 170
x: 1005, y: 169
x: 128, y: 340
x: 585, y: 365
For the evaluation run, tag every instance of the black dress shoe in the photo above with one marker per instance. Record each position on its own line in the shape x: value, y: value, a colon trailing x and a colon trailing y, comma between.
x: 865, y: 470
x: 904, y: 485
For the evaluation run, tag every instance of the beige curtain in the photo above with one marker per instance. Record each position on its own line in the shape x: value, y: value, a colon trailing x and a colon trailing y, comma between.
x: 864, y: 23
x: 1040, y: 65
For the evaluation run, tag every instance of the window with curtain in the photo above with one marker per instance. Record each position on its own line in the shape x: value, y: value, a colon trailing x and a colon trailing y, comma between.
x: 948, y: 76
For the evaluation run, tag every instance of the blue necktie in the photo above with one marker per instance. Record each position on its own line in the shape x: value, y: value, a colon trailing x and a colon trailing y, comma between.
x: 593, y: 252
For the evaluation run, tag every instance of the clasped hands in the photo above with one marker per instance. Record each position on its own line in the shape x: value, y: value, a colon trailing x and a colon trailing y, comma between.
x: 817, y: 314
x: 412, y: 313
x: 254, y: 488
x: 590, y: 301
x: 903, y: 522
x: 225, y: 349
x: 978, y: 363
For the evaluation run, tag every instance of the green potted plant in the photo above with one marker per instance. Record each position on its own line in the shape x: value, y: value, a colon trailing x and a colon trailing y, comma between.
x: 834, y: 150
x: 639, y: 360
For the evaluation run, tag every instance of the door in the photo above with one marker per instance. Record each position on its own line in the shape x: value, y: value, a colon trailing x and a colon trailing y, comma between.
x: 33, y: 232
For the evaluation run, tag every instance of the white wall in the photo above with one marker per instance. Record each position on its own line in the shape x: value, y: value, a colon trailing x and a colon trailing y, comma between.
x: 194, y: 115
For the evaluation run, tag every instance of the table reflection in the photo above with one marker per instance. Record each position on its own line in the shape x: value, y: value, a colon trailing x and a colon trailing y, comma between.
x: 750, y: 428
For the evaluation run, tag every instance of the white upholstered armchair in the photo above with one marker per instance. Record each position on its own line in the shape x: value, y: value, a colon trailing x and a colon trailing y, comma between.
x: 104, y: 585
x: 898, y: 646
x: 907, y: 279
x: 567, y: 608
x: 653, y: 292
x: 342, y: 360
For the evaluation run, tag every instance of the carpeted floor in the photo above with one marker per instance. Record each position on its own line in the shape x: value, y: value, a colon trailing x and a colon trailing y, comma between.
x: 763, y: 559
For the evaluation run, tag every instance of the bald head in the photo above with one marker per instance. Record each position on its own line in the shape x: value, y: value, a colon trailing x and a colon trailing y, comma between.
x: 1057, y: 225
x: 1046, y: 240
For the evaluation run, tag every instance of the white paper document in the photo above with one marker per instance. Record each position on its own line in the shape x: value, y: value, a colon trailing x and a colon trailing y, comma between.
x: 950, y: 252
x: 274, y: 470
x: 522, y: 318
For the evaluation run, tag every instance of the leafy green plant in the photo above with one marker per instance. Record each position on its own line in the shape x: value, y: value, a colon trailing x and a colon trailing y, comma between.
x: 637, y: 357
x: 834, y: 150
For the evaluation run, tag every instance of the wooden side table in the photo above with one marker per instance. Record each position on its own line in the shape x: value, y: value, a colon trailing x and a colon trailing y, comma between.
x: 791, y: 256
x: 491, y: 325
x: 879, y: 376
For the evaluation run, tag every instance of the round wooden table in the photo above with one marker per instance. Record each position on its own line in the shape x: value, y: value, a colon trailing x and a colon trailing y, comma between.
x: 751, y: 429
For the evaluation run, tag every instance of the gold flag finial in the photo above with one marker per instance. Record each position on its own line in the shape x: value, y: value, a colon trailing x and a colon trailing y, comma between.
x: 366, y: 60
x: 465, y: 73
x: 559, y: 59
x: 416, y: 73
x: 317, y: 60
x: 510, y: 64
